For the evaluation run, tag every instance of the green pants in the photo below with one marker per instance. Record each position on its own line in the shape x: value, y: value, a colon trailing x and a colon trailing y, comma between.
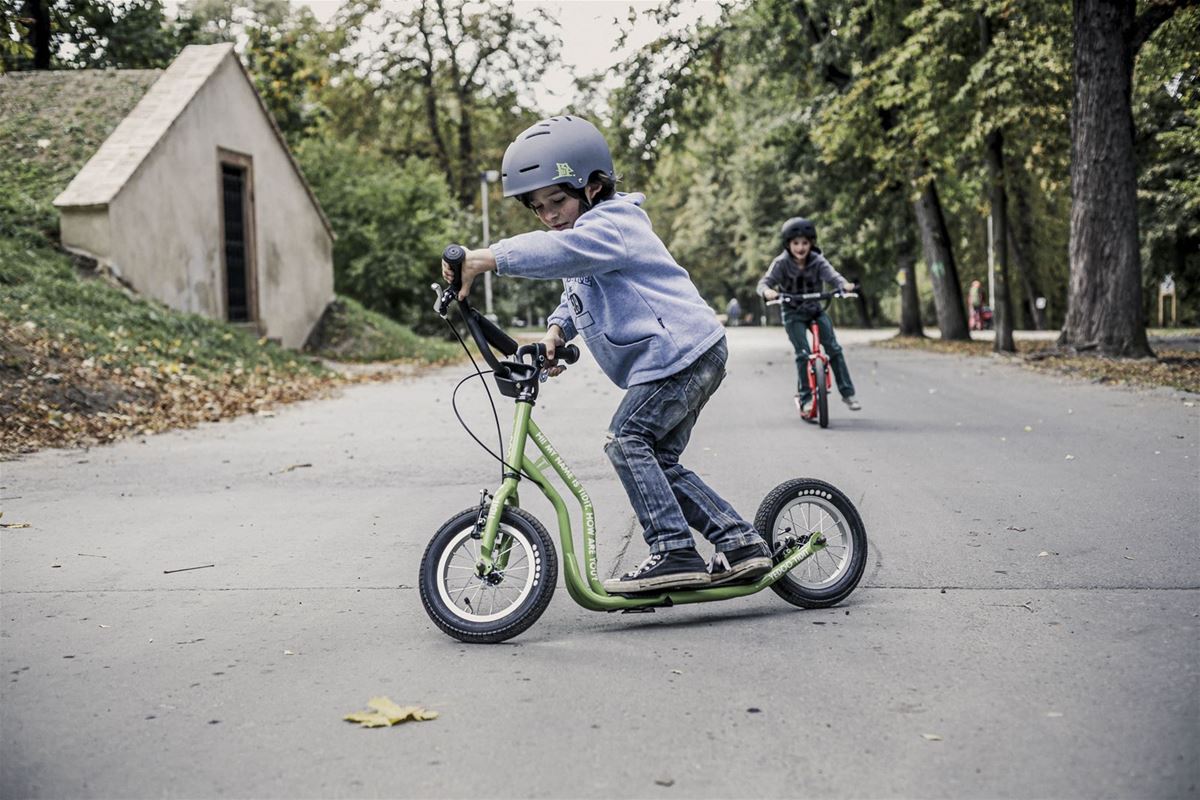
x: 797, y: 330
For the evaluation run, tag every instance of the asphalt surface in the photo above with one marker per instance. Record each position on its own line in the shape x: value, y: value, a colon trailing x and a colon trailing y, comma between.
x: 1027, y: 626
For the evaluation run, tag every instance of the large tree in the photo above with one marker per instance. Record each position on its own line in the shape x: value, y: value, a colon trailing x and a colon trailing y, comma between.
x: 453, y: 70
x: 1104, y: 305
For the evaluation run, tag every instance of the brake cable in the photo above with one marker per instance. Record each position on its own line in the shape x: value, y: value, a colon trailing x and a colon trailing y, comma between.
x: 495, y: 414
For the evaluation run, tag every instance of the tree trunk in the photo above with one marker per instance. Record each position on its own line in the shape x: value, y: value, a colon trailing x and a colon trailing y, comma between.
x: 430, y: 96
x: 1104, y: 299
x: 39, y: 12
x: 998, y: 231
x: 939, y: 256
x: 1002, y: 302
x: 1020, y: 241
x: 906, y: 275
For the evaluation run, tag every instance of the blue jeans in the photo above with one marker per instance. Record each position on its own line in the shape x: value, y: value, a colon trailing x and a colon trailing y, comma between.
x: 797, y: 330
x: 645, y: 439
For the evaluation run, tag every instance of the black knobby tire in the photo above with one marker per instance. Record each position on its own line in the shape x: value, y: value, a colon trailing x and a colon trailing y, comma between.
x: 822, y: 394
x: 806, y: 506
x: 532, y: 573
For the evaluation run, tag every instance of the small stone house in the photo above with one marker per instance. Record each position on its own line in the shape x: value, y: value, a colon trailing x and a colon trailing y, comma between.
x: 195, y: 200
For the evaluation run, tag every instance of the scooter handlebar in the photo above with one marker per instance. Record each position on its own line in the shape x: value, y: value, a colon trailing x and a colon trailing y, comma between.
x: 454, y: 255
x: 568, y: 353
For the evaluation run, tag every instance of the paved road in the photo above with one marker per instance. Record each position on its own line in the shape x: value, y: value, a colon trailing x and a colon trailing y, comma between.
x: 1028, y: 624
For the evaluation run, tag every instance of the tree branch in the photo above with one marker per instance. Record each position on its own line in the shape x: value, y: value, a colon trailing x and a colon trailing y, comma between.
x: 1152, y: 18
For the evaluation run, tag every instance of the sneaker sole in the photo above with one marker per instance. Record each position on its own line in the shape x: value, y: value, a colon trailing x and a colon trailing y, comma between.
x: 752, y: 568
x: 681, y: 580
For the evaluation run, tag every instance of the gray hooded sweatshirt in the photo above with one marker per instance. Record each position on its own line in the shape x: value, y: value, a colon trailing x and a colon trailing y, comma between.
x: 637, y: 310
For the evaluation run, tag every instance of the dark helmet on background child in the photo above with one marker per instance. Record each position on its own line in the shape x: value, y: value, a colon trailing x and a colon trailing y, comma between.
x: 562, y: 150
x: 799, y: 227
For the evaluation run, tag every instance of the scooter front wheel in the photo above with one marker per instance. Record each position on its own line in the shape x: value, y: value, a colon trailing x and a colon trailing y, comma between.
x: 799, y: 510
x: 822, y: 393
x: 502, y: 603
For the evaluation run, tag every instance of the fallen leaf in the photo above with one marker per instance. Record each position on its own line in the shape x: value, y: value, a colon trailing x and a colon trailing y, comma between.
x: 15, y: 525
x: 931, y: 737
x: 1014, y: 528
x: 384, y: 711
x: 1070, y: 457
x: 292, y: 467
x: 288, y: 653
x: 1043, y: 554
x: 368, y: 719
x: 664, y: 781
x: 676, y: 672
x: 1029, y: 429
x: 106, y: 626
x: 1129, y: 558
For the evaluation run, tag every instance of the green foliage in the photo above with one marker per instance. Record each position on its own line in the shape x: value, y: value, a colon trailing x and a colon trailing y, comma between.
x: 392, y: 222
x: 86, y: 34
x: 283, y: 46
x: 1167, y: 114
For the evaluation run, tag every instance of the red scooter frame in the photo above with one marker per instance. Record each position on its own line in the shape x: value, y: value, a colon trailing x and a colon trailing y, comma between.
x: 820, y: 377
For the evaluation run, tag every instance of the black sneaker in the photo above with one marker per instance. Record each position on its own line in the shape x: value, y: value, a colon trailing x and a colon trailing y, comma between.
x: 674, y: 569
x: 740, y: 564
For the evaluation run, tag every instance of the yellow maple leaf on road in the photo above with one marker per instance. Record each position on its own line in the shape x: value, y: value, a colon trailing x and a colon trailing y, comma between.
x: 385, y: 711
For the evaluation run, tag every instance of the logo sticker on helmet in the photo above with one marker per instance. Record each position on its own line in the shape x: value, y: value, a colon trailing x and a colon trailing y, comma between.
x: 564, y: 171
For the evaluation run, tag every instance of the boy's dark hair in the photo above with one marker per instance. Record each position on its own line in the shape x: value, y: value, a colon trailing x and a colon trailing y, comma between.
x: 608, y: 188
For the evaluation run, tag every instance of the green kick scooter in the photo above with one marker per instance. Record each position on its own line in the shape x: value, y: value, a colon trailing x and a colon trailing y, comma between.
x: 490, y: 570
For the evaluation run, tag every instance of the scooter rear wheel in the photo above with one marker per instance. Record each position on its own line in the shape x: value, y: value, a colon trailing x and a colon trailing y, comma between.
x: 806, y: 507
x: 494, y: 607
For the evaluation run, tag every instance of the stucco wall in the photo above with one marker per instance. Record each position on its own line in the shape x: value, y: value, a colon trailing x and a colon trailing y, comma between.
x: 166, y: 222
x: 87, y: 230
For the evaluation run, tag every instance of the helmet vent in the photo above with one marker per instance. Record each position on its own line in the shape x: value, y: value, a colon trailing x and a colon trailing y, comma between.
x: 530, y: 167
x: 538, y: 133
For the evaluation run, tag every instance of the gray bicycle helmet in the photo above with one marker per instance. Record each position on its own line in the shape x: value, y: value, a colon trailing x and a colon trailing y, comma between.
x: 558, y: 150
x: 797, y: 227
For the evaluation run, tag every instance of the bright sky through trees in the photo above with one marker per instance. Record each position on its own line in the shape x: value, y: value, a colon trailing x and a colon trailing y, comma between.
x: 588, y: 29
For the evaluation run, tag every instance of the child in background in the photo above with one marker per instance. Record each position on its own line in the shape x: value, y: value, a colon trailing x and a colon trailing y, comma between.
x: 802, y: 269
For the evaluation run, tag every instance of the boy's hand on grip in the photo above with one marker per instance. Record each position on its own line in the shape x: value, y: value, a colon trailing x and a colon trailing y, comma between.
x: 553, y: 342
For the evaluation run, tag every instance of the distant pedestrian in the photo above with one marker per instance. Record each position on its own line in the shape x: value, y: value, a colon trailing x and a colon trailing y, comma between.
x: 975, y: 301
x: 733, y: 313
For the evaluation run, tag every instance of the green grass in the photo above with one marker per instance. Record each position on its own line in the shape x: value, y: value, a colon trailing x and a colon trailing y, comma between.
x: 39, y: 286
x: 349, y: 332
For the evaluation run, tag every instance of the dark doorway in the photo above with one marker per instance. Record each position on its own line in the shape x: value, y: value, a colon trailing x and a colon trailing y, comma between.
x: 237, y: 260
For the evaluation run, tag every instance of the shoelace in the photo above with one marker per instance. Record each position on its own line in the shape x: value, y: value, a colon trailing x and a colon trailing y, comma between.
x: 651, y: 561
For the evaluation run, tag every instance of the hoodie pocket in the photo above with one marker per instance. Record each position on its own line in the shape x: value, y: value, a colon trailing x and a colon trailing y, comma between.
x: 645, y: 353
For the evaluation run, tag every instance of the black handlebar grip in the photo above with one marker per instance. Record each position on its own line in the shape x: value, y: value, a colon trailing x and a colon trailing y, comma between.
x: 568, y: 353
x: 454, y: 255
